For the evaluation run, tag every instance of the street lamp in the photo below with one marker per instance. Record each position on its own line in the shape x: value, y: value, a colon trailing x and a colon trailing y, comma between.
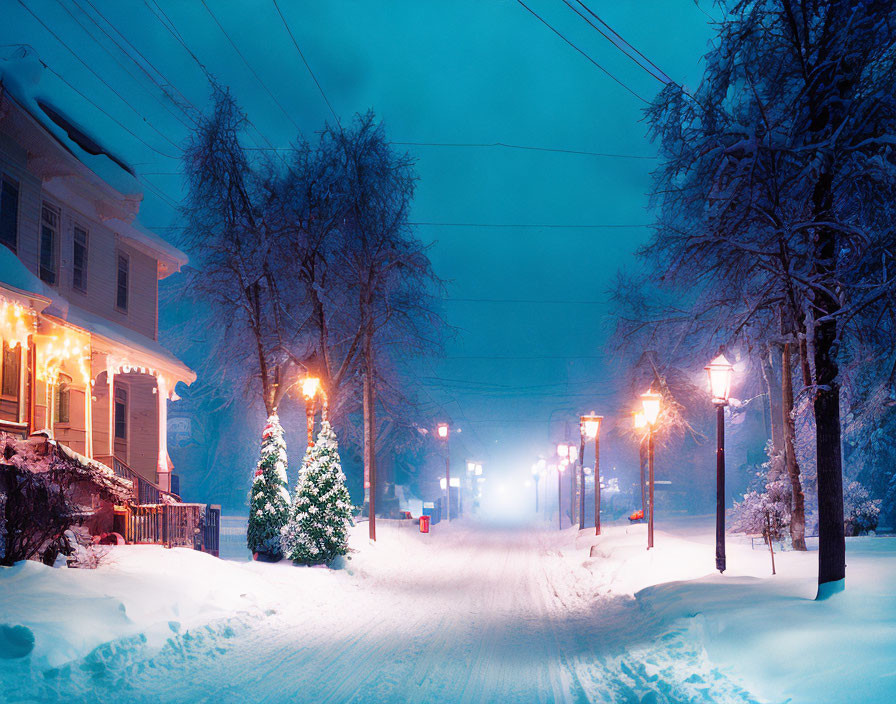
x: 536, y: 475
x: 650, y: 403
x: 442, y: 430
x: 310, y: 388
x: 572, y: 456
x: 719, y: 372
x: 560, y: 467
x: 640, y: 422
x: 589, y: 427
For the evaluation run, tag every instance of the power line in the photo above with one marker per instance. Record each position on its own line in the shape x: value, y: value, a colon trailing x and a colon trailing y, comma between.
x: 617, y: 41
x: 249, y: 66
x: 167, y: 82
x: 506, y: 145
x: 101, y: 79
x: 582, y: 52
x: 304, y: 61
x: 547, y: 226
x: 554, y: 302
x: 112, y: 56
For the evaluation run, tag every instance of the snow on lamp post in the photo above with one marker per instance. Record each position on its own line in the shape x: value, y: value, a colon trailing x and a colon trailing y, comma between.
x: 589, y: 427
x: 650, y: 403
x: 719, y: 372
x: 442, y: 430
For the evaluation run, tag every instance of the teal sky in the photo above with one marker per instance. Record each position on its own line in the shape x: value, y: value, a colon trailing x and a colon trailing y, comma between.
x: 465, y: 71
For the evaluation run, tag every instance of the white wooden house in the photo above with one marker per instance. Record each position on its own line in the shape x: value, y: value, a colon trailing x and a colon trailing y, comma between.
x: 79, y: 295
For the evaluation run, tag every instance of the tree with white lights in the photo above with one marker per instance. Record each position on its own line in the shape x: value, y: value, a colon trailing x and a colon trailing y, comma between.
x: 321, y: 512
x: 269, y: 499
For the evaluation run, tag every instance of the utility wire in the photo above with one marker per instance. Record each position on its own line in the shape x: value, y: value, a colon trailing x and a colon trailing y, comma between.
x: 249, y: 66
x: 114, y: 58
x: 506, y: 145
x: 581, y: 51
x: 620, y: 43
x: 164, y: 84
x: 104, y: 82
x: 304, y: 61
x: 525, y: 225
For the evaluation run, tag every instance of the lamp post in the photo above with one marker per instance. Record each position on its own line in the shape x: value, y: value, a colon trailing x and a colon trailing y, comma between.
x: 573, y: 475
x: 719, y: 373
x: 590, y: 427
x: 641, y: 423
x: 442, y: 430
x: 536, y: 475
x: 650, y: 402
x: 310, y: 388
x: 563, y: 454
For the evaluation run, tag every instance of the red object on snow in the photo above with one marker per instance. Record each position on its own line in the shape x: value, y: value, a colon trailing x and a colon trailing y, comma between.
x: 637, y: 515
x: 424, y: 524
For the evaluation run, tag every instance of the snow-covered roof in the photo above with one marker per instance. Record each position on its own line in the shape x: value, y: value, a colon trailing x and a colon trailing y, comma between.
x: 45, y: 99
x: 16, y: 279
x: 149, y: 352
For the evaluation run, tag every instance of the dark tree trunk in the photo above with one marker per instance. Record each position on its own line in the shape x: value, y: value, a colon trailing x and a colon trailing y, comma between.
x: 797, y: 499
x: 370, y: 431
x: 773, y: 388
x: 831, y: 543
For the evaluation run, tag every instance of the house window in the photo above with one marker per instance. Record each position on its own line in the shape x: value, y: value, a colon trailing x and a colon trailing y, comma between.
x: 9, y: 213
x: 49, y: 238
x: 121, y: 295
x: 12, y: 357
x: 121, y: 413
x: 79, y: 259
x: 63, y: 400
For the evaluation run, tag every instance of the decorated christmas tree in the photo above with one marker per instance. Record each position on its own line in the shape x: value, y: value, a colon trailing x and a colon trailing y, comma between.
x: 321, y: 511
x: 269, y: 499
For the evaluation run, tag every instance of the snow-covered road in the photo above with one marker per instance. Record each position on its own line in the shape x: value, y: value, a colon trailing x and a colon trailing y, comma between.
x: 466, y: 614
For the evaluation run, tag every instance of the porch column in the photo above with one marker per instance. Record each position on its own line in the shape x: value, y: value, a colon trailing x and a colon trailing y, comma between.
x: 162, y: 468
x: 88, y: 418
x: 110, y: 381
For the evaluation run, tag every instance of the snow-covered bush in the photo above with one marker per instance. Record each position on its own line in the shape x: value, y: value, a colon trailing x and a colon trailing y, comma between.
x: 764, y: 507
x: 35, y: 515
x: 321, y: 512
x: 269, y: 497
x: 860, y: 513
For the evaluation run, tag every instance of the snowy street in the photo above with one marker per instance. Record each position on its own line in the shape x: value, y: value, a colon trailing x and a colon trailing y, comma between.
x: 469, y: 613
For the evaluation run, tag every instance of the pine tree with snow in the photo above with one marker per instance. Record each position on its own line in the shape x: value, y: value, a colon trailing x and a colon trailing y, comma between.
x: 269, y: 498
x: 321, y: 512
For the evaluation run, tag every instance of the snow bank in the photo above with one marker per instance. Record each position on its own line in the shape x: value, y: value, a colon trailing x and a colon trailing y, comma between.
x: 766, y: 632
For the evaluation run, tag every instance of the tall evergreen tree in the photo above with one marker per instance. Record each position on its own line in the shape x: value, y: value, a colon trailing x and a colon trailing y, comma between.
x: 269, y: 500
x: 321, y: 512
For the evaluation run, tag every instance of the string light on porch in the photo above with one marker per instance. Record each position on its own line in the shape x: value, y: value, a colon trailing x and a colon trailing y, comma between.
x: 16, y: 323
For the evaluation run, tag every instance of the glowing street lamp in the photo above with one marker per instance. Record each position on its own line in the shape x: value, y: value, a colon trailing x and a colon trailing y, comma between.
x: 719, y: 372
x: 640, y: 423
x: 310, y: 389
x: 650, y: 403
x: 560, y: 467
x: 442, y: 430
x: 589, y: 427
x: 536, y: 475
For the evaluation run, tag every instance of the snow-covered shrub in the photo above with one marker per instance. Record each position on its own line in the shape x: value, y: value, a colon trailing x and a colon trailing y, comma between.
x: 83, y: 550
x: 35, y: 515
x: 860, y: 513
x: 269, y: 497
x: 767, y: 504
x: 321, y: 511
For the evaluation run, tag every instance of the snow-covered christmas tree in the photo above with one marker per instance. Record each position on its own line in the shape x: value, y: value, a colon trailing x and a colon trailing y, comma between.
x: 321, y: 512
x: 269, y: 499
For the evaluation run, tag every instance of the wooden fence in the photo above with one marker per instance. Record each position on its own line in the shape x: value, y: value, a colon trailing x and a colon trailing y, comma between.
x: 175, y: 525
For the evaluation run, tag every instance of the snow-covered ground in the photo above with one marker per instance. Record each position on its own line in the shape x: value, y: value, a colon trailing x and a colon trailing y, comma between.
x: 469, y: 613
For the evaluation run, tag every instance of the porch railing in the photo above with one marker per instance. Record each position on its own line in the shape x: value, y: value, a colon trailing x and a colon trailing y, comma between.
x: 145, y: 491
x: 175, y: 525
